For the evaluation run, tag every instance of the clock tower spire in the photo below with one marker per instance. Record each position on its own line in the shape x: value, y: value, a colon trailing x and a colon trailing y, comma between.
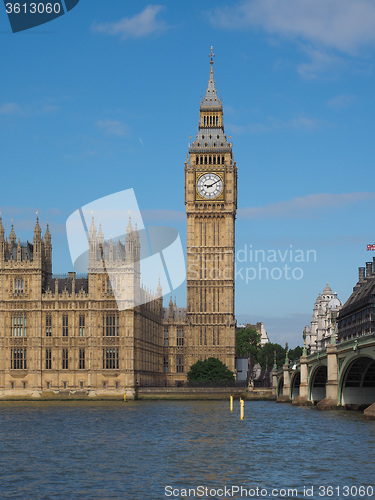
x: 211, y: 203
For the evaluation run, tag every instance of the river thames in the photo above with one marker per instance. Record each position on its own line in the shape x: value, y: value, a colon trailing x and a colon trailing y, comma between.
x: 157, y: 450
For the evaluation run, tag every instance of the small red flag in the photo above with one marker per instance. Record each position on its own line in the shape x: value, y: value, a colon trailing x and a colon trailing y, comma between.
x: 371, y: 247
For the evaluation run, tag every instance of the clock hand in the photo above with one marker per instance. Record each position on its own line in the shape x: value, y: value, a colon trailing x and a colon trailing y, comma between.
x: 210, y: 185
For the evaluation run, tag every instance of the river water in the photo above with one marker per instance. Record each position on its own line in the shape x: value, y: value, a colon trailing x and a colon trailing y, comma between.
x: 158, y: 450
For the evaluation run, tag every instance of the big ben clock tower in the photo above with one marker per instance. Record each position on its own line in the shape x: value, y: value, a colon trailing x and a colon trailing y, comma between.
x: 211, y: 202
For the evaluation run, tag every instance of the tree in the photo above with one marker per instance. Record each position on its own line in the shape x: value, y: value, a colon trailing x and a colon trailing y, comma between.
x: 248, y: 343
x: 209, y: 370
x: 295, y: 353
x: 267, y: 355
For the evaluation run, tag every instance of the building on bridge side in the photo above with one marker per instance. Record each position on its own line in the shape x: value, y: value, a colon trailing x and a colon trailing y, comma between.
x: 357, y: 317
x: 326, y: 308
x: 340, y: 372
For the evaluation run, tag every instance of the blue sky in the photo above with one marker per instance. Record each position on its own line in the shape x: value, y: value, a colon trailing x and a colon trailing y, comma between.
x: 105, y: 98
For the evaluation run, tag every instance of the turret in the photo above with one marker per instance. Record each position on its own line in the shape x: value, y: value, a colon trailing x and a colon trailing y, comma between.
x: 37, y: 242
x: 12, y: 237
x: 19, y: 251
x: 100, y: 236
x: 159, y: 290
x: 48, y: 250
x: 171, y: 310
x: 129, y: 242
x: 93, y: 245
x: 137, y: 245
x: 2, y: 232
x: 2, y: 240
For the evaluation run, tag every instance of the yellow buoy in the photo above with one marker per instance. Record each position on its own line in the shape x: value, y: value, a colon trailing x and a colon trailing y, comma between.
x: 231, y: 403
x: 124, y: 397
x: 242, y: 409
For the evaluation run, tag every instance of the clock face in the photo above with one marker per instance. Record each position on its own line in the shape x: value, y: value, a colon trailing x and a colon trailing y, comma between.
x: 209, y: 185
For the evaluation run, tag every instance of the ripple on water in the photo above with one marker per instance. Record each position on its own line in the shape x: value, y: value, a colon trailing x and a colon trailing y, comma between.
x: 99, y: 450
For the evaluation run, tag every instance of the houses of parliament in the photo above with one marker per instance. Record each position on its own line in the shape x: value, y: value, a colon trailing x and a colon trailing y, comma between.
x: 67, y: 335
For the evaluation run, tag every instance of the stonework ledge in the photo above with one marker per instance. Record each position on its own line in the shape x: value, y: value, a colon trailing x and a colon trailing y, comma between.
x: 283, y: 399
x: 369, y: 412
x: 327, y: 404
x: 301, y: 401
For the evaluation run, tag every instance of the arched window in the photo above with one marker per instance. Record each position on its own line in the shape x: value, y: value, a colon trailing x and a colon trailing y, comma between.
x: 210, y: 160
x: 18, y: 285
x: 205, y: 160
x: 196, y: 160
x: 111, y: 285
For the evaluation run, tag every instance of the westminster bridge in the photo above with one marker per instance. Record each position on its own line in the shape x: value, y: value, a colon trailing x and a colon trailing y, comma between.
x: 340, y: 375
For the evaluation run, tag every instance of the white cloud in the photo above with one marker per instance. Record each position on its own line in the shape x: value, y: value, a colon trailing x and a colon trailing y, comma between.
x: 141, y: 25
x: 10, y: 109
x: 113, y: 127
x: 36, y: 108
x: 319, y: 61
x: 345, y: 25
x: 304, y: 206
x: 341, y: 101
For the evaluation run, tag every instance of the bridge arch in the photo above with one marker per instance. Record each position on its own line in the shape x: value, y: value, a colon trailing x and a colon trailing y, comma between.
x: 280, y: 386
x: 317, y: 384
x: 357, y: 380
x: 295, y: 384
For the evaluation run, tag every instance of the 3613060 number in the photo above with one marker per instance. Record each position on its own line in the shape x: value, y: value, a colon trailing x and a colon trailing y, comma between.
x: 33, y: 8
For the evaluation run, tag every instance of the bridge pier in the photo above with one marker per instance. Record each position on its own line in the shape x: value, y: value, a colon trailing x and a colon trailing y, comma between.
x: 330, y: 402
x: 285, y: 398
x: 302, y: 399
x: 369, y: 412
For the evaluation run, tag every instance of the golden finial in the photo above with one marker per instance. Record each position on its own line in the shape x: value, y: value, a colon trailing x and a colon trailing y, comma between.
x: 212, y: 55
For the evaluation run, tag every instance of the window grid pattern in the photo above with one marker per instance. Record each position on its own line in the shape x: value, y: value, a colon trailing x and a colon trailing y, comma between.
x: 18, y: 359
x: 81, y: 325
x: 81, y: 359
x: 180, y: 364
x: 166, y: 336
x: 111, y: 358
x: 65, y: 331
x: 48, y: 359
x: 65, y: 359
x: 18, y: 285
x: 19, y: 326
x: 166, y: 364
x: 111, y: 325
x: 48, y: 325
x: 180, y: 336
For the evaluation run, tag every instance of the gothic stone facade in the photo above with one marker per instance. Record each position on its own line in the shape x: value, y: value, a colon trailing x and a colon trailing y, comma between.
x: 67, y: 334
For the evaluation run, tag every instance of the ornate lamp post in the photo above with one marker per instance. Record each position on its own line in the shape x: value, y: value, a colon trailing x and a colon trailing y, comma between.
x: 333, y: 327
x: 304, y: 350
x: 286, y: 354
